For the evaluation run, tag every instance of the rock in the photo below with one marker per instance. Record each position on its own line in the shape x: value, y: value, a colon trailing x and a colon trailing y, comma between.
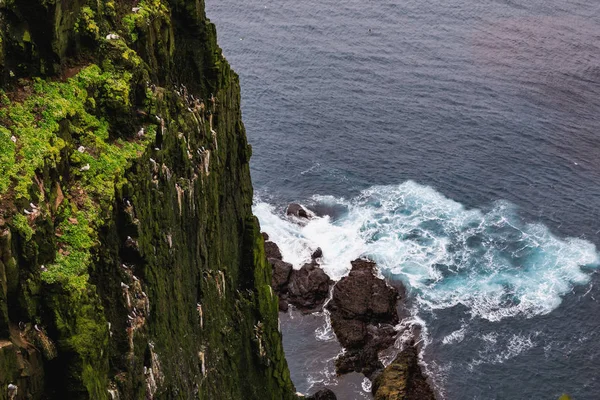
x: 265, y: 236
x: 281, y: 275
x: 363, y: 315
x: 272, y: 251
x: 318, y: 253
x: 323, y: 394
x: 308, y: 287
x: 403, y: 379
x: 297, y: 211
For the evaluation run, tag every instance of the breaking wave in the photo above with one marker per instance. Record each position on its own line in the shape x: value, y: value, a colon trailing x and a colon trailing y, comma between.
x: 491, y: 261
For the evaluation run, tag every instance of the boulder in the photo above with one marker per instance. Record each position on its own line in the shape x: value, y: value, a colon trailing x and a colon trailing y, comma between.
x: 403, y: 379
x: 308, y: 288
x: 297, y: 211
x: 363, y: 313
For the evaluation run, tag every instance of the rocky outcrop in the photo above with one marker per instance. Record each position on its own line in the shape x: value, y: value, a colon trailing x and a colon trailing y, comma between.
x: 131, y: 265
x: 403, y: 379
x: 306, y: 288
x: 363, y: 315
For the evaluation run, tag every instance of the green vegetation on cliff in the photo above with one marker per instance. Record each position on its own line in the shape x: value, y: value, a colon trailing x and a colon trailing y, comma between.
x: 131, y: 266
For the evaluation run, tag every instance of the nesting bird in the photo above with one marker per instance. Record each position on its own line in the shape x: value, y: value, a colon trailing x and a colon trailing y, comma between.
x: 112, y: 36
x: 86, y: 167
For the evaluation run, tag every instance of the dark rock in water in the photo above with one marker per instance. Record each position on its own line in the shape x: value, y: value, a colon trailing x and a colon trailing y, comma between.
x: 308, y: 287
x: 363, y: 315
x: 265, y: 236
x: 403, y: 379
x: 297, y: 210
x: 272, y: 251
x: 323, y: 394
x: 318, y: 253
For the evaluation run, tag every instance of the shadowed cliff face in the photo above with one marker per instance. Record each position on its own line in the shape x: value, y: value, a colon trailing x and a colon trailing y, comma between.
x: 131, y: 265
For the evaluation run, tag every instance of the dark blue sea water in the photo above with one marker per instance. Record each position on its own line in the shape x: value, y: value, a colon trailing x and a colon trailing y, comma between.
x: 458, y: 144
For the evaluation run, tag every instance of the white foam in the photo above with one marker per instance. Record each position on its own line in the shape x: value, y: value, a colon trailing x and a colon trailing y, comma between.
x: 455, y: 337
x: 492, y: 263
x: 498, y: 351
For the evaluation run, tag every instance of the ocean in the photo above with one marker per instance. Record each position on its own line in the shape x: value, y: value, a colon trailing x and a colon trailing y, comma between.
x: 457, y: 144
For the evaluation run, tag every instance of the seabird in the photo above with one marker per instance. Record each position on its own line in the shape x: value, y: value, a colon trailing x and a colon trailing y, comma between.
x: 27, y: 212
x: 33, y: 206
x: 85, y: 168
x: 14, y: 139
x: 81, y: 149
x: 112, y: 36
x: 124, y: 285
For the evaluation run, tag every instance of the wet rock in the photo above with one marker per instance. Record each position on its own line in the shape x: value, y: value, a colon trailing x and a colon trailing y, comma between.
x: 363, y: 315
x: 403, y: 379
x: 318, y: 253
x: 297, y: 211
x: 308, y: 288
x: 272, y: 251
x: 323, y: 394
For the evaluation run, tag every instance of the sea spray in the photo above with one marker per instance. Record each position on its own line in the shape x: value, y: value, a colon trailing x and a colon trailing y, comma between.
x: 492, y: 262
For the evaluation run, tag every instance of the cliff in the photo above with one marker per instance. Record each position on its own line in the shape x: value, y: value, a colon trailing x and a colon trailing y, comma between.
x: 131, y: 266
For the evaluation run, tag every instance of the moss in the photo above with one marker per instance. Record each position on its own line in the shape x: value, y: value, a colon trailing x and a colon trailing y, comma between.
x: 21, y: 225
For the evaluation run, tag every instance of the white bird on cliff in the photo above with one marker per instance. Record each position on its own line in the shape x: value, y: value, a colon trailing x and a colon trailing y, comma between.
x: 27, y: 212
x: 86, y: 167
x: 112, y: 36
x: 141, y: 132
x: 81, y: 149
x: 14, y: 139
x: 33, y: 206
x: 135, y: 9
x: 124, y: 285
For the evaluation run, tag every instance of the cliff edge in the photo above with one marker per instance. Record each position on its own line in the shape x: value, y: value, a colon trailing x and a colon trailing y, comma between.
x: 131, y: 266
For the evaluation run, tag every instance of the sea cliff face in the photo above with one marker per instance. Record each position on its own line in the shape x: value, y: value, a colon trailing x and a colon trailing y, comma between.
x: 131, y: 266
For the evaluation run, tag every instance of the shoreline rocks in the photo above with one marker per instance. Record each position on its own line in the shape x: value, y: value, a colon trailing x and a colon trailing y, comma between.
x: 363, y: 312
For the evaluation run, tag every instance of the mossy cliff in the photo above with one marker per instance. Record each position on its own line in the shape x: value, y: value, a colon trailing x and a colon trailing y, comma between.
x: 131, y: 266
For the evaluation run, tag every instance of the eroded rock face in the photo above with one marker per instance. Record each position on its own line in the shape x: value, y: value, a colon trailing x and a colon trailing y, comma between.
x: 363, y: 315
x: 403, y: 379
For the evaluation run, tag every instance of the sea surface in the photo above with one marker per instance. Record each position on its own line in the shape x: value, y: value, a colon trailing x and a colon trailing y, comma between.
x: 456, y: 143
